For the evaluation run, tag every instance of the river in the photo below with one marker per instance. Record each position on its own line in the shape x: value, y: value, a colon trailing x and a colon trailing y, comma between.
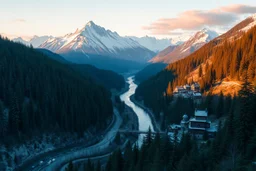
x: 144, y: 118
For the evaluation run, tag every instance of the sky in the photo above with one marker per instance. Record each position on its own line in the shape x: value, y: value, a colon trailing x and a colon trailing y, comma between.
x: 158, y: 18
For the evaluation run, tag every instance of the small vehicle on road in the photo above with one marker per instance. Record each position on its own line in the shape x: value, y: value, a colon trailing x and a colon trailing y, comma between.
x: 49, y: 162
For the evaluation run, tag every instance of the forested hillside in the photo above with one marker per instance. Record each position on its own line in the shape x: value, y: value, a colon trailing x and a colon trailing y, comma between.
x: 53, y: 55
x: 233, y: 148
x: 222, y: 57
x: 103, y: 62
x: 149, y: 71
x: 41, y: 94
x: 107, y: 78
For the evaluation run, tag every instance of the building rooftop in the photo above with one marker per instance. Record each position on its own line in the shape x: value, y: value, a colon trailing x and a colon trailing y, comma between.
x: 201, y: 113
x: 196, y: 84
x: 197, y: 94
x: 196, y: 120
x: 180, y: 87
x: 196, y: 128
x: 174, y: 126
x: 211, y: 129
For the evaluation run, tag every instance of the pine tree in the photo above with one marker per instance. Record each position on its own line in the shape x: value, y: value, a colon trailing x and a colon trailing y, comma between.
x: 184, y: 164
x: 169, y: 90
x: 14, y: 115
x: 245, y: 124
x: 25, y: 118
x: 220, y: 107
x: 251, y: 148
x: 173, y: 156
x: 70, y: 167
x: 3, y: 120
x: 157, y: 164
x: 89, y: 166
x: 118, y: 139
x: 118, y: 161
x: 128, y: 154
x: 109, y: 163
x: 98, y: 167
x: 148, y: 138
x: 200, y: 72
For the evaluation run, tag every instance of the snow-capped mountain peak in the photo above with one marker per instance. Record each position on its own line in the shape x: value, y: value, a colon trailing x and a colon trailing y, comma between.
x: 237, y: 31
x: 35, y: 41
x: 94, y: 39
x: 90, y: 23
x: 253, y: 23
x: 155, y: 44
x: 203, y: 36
x: 196, y: 41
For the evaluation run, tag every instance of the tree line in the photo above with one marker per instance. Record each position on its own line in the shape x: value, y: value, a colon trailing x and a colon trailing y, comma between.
x: 233, y: 148
x: 222, y: 58
x: 38, y: 94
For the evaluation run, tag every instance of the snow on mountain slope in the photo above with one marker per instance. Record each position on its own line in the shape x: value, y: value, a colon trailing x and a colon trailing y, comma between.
x: 172, y: 54
x: 35, y: 41
x: 152, y: 43
x: 94, y: 39
x: 251, y: 24
x: 238, y: 30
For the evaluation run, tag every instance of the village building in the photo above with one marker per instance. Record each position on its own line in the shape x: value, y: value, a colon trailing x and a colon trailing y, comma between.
x: 187, y: 87
x: 197, y: 97
x: 187, y: 91
x: 180, y: 90
x: 195, y: 87
x: 199, y: 125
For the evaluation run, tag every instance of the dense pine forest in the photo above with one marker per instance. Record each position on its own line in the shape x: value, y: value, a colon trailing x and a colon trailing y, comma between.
x: 38, y: 94
x: 149, y: 71
x: 233, y: 148
x: 232, y: 58
x: 107, y: 78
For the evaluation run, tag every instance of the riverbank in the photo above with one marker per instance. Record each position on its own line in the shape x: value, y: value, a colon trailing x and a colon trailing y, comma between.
x: 115, y: 93
x: 156, y: 125
x: 130, y: 119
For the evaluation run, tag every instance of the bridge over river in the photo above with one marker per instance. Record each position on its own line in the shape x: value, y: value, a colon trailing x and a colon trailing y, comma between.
x: 138, y: 132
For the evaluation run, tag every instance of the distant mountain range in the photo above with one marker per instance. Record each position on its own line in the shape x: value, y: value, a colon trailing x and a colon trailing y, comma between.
x: 35, y: 41
x: 98, y: 46
x: 174, y: 52
x: 157, y: 45
x: 94, y: 39
x: 219, y: 65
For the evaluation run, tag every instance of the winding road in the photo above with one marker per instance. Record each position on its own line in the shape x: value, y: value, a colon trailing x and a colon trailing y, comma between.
x: 77, y: 154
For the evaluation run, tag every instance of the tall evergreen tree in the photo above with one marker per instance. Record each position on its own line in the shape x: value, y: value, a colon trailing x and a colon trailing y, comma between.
x: 70, y: 167
x: 245, y: 124
x: 169, y: 89
x: 220, y: 107
x: 3, y: 120
x: 148, y: 138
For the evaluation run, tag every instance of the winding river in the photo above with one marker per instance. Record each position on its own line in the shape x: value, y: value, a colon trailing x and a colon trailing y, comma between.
x: 144, y: 119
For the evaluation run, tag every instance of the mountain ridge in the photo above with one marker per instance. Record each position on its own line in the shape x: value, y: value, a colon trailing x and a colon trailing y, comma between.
x: 94, y: 39
x: 196, y: 41
x: 35, y: 41
x: 219, y: 60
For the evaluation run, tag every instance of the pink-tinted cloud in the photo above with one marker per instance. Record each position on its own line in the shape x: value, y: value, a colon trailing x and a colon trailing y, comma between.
x: 196, y: 19
x: 239, y: 9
